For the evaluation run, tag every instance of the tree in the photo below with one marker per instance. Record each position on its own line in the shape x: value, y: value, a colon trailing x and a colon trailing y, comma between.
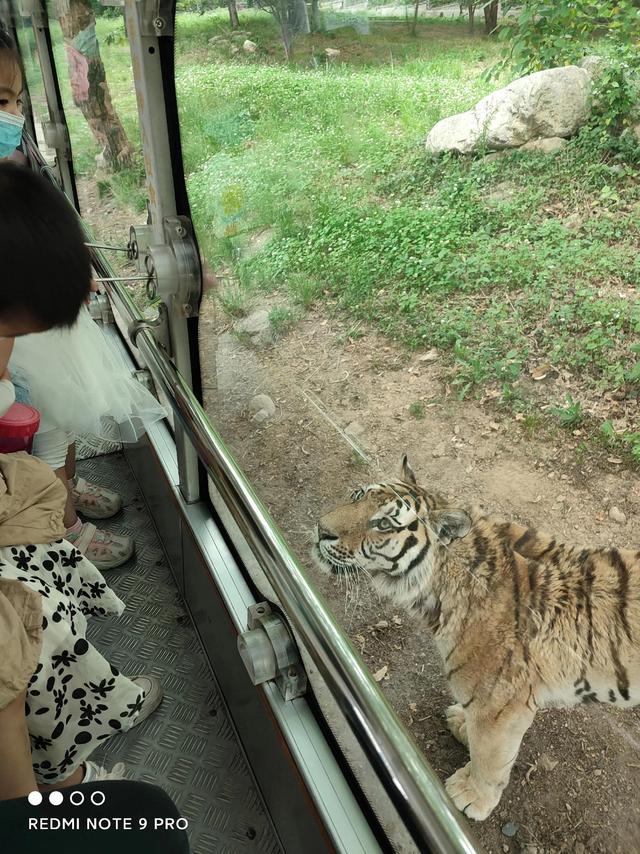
x: 89, y: 85
x: 316, y: 21
x: 233, y: 14
x: 292, y: 19
x: 491, y: 17
x: 470, y: 6
x: 414, y: 23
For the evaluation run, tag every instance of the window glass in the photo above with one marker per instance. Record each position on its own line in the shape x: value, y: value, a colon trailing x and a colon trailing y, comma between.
x: 477, y: 312
x: 96, y: 81
x: 369, y: 298
x: 35, y: 97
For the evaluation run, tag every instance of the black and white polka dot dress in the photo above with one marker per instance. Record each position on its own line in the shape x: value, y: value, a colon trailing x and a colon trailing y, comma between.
x: 75, y: 699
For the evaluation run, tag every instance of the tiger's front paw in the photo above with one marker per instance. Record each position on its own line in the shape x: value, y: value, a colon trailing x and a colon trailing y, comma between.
x: 475, y: 800
x: 457, y: 723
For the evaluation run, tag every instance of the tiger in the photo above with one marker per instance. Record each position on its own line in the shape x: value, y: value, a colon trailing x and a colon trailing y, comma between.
x: 521, y: 621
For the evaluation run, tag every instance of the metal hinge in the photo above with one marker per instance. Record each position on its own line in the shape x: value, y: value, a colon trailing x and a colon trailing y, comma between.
x: 269, y: 652
x: 145, y: 379
x: 56, y: 136
x: 172, y: 267
x: 159, y: 327
x: 156, y: 18
x: 31, y: 9
x: 100, y: 309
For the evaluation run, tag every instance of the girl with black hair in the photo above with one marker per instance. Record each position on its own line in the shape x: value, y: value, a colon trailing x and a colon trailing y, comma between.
x: 76, y: 378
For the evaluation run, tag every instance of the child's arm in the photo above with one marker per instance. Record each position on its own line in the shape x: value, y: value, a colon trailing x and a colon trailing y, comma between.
x: 7, y: 391
x: 6, y: 348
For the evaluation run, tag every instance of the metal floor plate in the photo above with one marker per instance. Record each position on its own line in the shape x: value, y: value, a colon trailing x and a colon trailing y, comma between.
x: 188, y: 746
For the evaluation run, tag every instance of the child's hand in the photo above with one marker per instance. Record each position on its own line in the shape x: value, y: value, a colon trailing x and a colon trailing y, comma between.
x: 6, y: 375
x: 94, y: 288
x: 209, y: 278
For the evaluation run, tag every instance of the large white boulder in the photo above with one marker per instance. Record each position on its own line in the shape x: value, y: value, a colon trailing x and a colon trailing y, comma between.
x: 551, y: 103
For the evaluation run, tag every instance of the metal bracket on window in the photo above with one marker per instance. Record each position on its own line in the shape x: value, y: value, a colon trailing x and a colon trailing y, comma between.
x: 144, y: 378
x: 159, y: 326
x: 100, y: 309
x: 172, y: 267
x: 56, y: 137
x: 269, y: 652
x: 32, y: 9
x: 156, y: 18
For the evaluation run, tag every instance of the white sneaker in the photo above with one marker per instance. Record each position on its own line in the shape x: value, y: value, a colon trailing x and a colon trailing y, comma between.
x: 94, y: 772
x: 153, y: 696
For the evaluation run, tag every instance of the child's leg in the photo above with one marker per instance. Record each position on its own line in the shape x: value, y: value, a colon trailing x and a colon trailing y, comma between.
x: 70, y: 462
x: 52, y: 447
x: 93, y: 501
x: 16, y: 771
x: 104, y: 549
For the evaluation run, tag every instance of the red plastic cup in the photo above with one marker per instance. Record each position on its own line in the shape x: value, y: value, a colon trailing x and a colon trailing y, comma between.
x: 18, y: 426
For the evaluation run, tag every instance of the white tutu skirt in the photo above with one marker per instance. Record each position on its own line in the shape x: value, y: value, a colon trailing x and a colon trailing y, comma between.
x: 81, y: 384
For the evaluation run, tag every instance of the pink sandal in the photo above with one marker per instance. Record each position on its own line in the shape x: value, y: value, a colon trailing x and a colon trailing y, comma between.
x: 104, y: 549
x: 93, y: 501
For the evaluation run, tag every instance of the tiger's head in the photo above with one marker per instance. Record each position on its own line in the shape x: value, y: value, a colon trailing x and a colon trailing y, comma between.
x: 395, y: 532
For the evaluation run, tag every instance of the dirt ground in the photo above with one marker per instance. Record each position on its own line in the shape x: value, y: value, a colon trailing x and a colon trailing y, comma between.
x: 341, y: 419
x: 574, y: 787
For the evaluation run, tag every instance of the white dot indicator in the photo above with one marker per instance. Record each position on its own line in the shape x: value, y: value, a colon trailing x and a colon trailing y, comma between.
x: 76, y: 798
x: 98, y: 798
x: 56, y: 798
x: 34, y: 798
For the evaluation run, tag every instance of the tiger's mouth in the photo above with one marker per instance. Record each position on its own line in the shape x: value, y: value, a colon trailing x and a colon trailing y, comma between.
x: 327, y: 559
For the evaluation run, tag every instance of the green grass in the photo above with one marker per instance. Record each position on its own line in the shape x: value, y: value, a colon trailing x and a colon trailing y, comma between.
x: 327, y: 159
x: 282, y: 320
x: 234, y: 300
x: 417, y: 410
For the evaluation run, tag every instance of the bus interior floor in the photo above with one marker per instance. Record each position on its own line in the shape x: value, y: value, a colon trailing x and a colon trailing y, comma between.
x: 188, y: 746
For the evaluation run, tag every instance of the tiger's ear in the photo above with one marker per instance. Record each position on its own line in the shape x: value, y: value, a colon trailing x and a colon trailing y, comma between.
x: 406, y: 472
x: 451, y: 525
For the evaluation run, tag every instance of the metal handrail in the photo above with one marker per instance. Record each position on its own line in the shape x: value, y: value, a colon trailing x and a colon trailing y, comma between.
x: 408, y: 779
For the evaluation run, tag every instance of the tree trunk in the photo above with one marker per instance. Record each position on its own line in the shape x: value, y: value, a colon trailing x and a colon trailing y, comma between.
x: 233, y: 14
x: 414, y: 26
x: 316, y: 22
x: 285, y: 31
x: 89, y: 83
x: 491, y: 17
x: 300, y: 23
x: 472, y: 16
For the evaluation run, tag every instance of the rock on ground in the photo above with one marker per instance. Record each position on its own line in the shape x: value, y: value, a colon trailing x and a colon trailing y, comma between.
x: 616, y: 515
x: 549, y: 145
x: 262, y: 407
x: 258, y: 327
x: 551, y: 103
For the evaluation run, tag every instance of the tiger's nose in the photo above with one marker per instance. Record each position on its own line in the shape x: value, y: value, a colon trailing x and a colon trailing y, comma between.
x: 323, y: 533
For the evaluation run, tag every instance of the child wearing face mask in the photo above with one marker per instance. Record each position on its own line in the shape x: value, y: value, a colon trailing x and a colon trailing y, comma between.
x: 75, y: 378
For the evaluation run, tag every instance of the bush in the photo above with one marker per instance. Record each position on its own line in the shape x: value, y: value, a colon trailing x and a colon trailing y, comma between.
x: 549, y: 33
x: 552, y: 33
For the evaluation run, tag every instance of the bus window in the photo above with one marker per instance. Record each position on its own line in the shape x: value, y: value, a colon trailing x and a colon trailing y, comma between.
x: 34, y: 96
x: 371, y: 300
x: 94, y: 71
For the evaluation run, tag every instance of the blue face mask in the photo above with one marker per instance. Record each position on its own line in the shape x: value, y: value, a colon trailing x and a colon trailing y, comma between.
x: 10, y: 133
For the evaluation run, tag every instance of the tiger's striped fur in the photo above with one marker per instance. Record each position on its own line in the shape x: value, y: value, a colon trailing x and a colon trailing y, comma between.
x: 520, y: 620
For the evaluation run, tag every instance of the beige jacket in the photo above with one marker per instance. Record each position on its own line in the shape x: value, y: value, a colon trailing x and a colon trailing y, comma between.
x: 20, y: 637
x: 32, y: 501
